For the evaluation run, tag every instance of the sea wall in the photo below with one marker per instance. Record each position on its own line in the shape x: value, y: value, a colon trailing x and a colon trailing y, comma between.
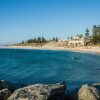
x: 48, y: 92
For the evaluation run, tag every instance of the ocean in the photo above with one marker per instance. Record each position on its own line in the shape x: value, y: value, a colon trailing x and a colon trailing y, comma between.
x: 20, y: 66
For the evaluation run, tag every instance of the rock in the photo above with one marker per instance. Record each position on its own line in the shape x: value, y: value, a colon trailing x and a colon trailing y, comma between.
x: 39, y: 92
x: 96, y: 85
x: 4, y: 94
x: 11, y: 86
x: 88, y: 93
x: 3, y: 84
x: 4, y: 91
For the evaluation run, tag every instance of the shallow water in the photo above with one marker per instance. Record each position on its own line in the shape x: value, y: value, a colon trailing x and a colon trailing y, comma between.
x: 48, y: 66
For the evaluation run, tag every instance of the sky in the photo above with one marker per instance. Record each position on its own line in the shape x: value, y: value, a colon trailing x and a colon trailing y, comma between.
x: 25, y: 19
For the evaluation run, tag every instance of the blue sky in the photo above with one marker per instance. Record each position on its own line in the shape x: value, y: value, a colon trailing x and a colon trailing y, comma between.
x: 24, y: 19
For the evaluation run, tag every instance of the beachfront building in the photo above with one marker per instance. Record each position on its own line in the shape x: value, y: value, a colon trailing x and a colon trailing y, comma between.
x: 78, y: 41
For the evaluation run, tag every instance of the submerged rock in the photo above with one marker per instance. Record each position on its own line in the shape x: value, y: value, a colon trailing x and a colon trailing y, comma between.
x: 40, y: 92
x: 88, y: 93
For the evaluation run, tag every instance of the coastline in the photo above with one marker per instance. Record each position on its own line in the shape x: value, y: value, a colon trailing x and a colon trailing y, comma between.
x: 95, y: 50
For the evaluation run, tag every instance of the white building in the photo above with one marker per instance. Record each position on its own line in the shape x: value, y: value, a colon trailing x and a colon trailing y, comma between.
x: 76, y: 41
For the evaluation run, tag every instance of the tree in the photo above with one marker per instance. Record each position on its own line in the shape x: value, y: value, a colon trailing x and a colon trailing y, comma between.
x: 87, y: 32
x: 81, y: 36
x: 56, y: 39
x: 71, y: 37
x: 94, y: 26
x: 44, y: 40
x: 29, y: 41
x: 77, y: 35
x: 96, y: 35
x: 53, y: 39
x: 34, y: 40
x: 22, y: 42
x: 39, y: 40
x: 95, y: 39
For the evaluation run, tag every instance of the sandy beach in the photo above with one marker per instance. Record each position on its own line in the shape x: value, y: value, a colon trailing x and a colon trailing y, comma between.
x: 75, y: 49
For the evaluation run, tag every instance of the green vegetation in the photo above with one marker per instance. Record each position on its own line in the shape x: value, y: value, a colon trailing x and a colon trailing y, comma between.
x: 55, y: 39
x: 95, y: 39
x: 39, y: 41
x: 87, y: 32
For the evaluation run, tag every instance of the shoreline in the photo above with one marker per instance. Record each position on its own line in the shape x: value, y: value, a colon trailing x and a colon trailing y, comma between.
x: 93, y: 50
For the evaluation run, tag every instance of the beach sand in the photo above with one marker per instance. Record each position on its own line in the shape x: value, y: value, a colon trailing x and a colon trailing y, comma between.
x: 75, y: 49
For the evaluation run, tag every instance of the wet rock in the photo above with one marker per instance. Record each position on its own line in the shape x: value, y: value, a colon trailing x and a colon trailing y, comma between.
x: 3, y: 84
x: 40, y: 92
x: 4, y: 91
x: 96, y: 85
x: 4, y: 94
x: 88, y: 93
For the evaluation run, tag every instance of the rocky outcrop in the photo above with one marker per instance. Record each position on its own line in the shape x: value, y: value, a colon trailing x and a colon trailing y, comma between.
x: 4, y: 91
x: 4, y: 94
x: 48, y: 92
x: 88, y: 93
x: 40, y: 92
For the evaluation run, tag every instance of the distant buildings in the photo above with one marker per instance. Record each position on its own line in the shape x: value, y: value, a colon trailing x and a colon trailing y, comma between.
x: 79, y: 40
x: 76, y: 42
x: 86, y: 40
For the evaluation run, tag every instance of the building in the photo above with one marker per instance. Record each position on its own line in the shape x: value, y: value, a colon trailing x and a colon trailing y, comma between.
x: 78, y: 41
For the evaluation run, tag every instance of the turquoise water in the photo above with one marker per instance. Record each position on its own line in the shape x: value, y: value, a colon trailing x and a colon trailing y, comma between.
x: 47, y: 66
